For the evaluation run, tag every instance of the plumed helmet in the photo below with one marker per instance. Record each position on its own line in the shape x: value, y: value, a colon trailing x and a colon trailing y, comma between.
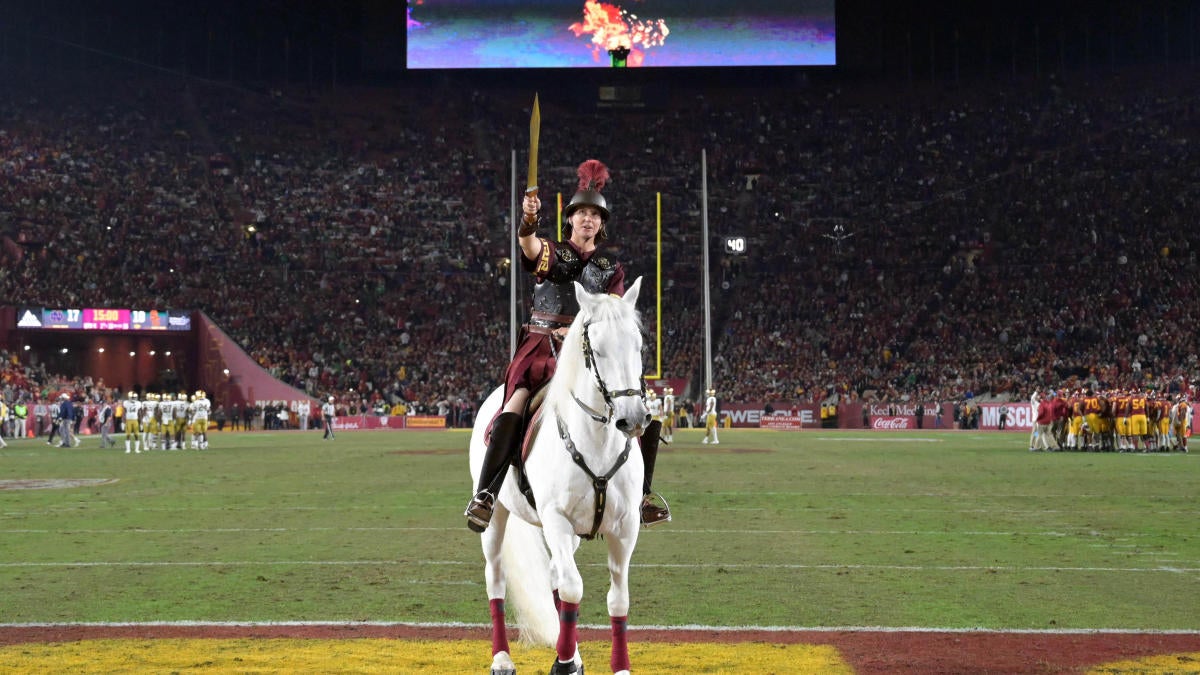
x: 593, y: 176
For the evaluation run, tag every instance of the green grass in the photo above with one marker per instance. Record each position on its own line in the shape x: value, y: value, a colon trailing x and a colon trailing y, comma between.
x: 948, y: 530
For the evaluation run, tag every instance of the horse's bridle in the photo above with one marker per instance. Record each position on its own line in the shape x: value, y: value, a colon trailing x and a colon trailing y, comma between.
x: 589, y: 360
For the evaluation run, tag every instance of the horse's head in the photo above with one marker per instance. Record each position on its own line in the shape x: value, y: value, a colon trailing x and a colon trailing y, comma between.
x: 608, y: 334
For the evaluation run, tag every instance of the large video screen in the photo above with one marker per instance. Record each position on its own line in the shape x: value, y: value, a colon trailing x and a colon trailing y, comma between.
x: 103, y: 319
x: 454, y: 34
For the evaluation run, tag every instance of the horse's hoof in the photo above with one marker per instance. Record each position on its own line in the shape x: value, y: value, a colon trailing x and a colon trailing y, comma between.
x: 568, y: 668
x: 502, y: 664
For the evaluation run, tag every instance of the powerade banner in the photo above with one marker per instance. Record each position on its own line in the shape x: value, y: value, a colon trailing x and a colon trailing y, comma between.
x: 103, y: 319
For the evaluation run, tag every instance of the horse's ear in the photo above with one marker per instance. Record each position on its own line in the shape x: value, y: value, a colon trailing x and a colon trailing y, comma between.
x: 586, y: 299
x: 631, y: 293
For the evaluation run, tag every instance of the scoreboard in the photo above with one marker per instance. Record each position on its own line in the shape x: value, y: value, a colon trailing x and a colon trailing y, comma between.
x: 103, y: 319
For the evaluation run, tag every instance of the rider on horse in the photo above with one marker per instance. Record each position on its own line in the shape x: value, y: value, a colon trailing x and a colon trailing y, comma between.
x: 555, y: 266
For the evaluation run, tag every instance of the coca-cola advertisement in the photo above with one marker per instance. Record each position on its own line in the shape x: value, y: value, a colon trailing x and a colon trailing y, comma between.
x: 932, y: 415
x: 893, y: 422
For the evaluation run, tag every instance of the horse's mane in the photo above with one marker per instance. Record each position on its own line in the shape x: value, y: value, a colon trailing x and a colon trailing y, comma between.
x: 570, y: 356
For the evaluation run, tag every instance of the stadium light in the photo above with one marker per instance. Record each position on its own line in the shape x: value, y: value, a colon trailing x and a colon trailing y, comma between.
x: 133, y: 353
x: 168, y: 352
x: 101, y: 350
x: 153, y: 352
x: 65, y: 350
x: 26, y: 347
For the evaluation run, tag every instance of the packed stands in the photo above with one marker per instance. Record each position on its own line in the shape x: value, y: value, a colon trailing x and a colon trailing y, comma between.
x: 905, y: 242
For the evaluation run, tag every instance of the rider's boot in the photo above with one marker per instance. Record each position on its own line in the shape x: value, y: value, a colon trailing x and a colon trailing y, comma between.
x: 505, y: 440
x: 652, y: 513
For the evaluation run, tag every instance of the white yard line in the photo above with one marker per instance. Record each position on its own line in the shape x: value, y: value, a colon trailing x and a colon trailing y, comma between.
x: 680, y: 629
x: 684, y: 566
x: 1089, y: 534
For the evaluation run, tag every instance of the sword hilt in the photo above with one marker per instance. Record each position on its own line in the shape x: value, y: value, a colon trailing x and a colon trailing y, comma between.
x: 530, y: 219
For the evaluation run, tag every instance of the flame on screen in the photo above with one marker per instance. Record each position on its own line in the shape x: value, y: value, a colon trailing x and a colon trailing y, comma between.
x: 613, y: 27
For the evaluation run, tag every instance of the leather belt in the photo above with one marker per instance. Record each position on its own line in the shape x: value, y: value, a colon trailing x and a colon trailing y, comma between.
x: 548, y: 322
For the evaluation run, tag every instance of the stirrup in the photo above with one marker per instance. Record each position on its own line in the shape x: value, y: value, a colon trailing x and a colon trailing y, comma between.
x: 653, y: 514
x: 479, y: 511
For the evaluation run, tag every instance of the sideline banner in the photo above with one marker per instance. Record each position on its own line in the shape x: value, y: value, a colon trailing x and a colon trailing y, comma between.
x: 1020, y: 416
x: 786, y: 422
x: 753, y: 414
x: 359, y: 422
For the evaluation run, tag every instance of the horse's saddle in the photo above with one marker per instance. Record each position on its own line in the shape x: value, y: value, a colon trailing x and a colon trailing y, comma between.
x: 532, y: 421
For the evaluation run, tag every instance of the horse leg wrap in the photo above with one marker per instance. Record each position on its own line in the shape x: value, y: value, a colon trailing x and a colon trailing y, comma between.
x: 620, y: 648
x: 499, y: 629
x: 568, y: 634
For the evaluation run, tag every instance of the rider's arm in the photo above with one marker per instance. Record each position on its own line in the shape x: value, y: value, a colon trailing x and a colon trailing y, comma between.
x: 531, y: 245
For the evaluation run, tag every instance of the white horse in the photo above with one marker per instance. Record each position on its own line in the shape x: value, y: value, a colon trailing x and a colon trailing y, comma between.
x: 585, y: 472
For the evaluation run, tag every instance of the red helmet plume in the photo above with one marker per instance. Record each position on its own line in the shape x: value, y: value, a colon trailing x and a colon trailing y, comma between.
x: 593, y: 176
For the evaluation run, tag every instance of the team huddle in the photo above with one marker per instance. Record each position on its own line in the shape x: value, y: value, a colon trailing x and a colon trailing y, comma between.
x: 1111, y: 421
x: 162, y: 419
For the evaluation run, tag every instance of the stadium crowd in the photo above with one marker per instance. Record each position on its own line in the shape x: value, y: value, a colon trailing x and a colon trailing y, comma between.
x: 905, y: 243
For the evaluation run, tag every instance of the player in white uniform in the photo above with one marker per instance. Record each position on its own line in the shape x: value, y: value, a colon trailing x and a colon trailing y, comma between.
x: 654, y: 404
x: 133, y: 413
x: 710, y: 418
x: 668, y: 406
x: 201, y: 407
x: 150, y: 425
x: 179, y: 415
x: 1034, y: 400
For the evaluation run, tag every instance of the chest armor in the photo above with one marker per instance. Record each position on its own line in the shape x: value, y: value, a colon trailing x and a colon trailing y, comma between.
x: 555, y: 294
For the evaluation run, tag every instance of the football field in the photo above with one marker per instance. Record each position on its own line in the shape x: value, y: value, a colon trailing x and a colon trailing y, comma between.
x: 804, y: 536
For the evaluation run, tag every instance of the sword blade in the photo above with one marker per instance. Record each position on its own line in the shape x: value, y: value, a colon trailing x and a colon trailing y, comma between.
x: 535, y: 129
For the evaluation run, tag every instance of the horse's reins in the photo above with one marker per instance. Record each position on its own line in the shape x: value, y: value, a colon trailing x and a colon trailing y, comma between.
x: 589, y: 360
x: 599, y: 483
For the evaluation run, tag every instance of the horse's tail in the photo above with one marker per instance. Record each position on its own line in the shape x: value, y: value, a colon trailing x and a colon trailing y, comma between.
x: 526, y: 565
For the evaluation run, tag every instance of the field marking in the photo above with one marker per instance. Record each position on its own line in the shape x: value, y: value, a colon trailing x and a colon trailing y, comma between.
x: 853, y: 533
x: 686, y: 566
x: 880, y: 440
x: 685, y: 628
